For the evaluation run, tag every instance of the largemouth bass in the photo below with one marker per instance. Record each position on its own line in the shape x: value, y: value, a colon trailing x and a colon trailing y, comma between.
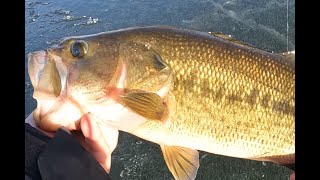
x: 184, y: 90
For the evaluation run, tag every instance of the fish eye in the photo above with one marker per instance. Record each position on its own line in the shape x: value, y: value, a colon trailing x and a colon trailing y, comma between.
x: 79, y: 48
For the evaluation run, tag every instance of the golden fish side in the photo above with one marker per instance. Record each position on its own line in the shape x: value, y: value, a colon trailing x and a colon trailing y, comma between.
x: 231, y: 99
x: 184, y: 90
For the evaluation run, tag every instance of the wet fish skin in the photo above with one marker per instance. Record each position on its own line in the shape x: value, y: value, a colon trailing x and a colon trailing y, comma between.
x: 231, y: 99
x: 223, y: 97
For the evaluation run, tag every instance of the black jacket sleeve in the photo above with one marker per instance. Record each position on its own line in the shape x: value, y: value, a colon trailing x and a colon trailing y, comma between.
x: 61, y: 157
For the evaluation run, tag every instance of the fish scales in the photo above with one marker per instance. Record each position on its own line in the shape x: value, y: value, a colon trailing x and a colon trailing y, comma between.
x: 239, y: 101
x: 184, y: 90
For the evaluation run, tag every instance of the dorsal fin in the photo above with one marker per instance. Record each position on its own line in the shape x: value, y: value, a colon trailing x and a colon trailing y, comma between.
x: 231, y: 39
x: 290, y: 55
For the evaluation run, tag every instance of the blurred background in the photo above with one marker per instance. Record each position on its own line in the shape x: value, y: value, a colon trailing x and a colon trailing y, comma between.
x: 265, y: 24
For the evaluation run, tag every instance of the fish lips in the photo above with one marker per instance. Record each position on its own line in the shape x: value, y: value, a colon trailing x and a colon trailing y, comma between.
x: 48, y: 75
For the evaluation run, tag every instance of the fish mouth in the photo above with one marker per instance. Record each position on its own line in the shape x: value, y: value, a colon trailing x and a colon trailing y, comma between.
x: 48, y: 75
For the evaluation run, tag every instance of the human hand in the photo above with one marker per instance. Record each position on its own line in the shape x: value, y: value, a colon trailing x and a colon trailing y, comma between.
x: 292, y: 176
x: 99, y: 139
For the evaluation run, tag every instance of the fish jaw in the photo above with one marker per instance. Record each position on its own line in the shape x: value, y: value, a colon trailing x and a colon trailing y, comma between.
x: 69, y: 107
x: 48, y: 75
x: 55, y: 106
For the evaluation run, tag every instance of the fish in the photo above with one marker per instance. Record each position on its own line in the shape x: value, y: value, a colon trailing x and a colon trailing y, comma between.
x: 185, y: 90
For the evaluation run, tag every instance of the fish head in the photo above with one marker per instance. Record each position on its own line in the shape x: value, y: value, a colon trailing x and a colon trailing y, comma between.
x: 68, y: 75
x: 87, y: 74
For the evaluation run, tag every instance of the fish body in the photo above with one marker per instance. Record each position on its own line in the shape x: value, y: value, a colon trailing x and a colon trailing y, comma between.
x: 184, y: 90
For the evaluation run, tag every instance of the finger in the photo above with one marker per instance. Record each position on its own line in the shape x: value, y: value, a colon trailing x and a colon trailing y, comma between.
x: 110, y: 135
x: 97, y: 141
x: 74, y: 125
x: 96, y: 144
x: 30, y: 120
x: 292, y: 176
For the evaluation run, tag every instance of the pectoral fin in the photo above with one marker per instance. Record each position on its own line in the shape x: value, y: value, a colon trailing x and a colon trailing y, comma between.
x: 182, y: 162
x: 148, y: 105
